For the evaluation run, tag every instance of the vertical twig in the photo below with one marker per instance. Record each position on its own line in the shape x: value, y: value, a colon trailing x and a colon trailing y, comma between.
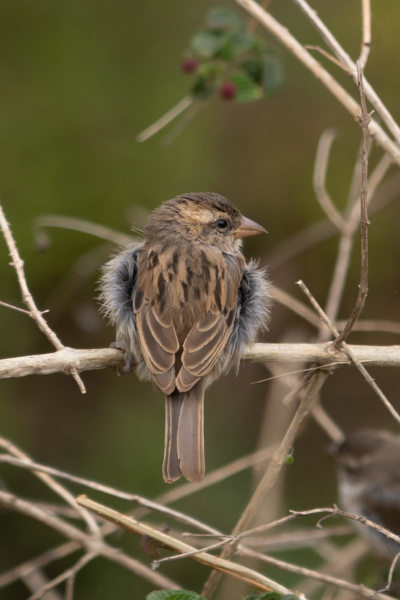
x: 366, y: 33
x: 308, y: 395
x: 364, y: 222
x: 27, y: 297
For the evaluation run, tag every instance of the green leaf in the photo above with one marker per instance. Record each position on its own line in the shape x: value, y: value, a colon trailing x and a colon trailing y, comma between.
x: 253, y: 67
x: 202, y: 89
x: 174, y: 595
x: 272, y: 74
x: 247, y: 89
x: 235, y: 44
x: 206, y: 44
x: 224, y: 18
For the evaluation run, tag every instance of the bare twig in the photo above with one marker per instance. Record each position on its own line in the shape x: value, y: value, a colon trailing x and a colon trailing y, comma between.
x: 308, y: 395
x: 345, y: 59
x: 71, y: 572
x: 19, y: 455
x: 27, y: 297
x: 348, y: 350
x: 364, y: 222
x: 294, y: 46
x: 337, y: 512
x: 132, y: 525
x: 366, y: 33
x: 165, y: 119
x: 22, y: 310
x: 88, y: 227
x: 105, y: 489
x: 320, y: 169
x: 102, y: 358
x: 328, y: 56
x: 359, y: 589
x: 92, y: 544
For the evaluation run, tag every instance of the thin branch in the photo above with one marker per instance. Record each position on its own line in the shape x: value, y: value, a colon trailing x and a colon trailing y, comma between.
x: 328, y: 56
x: 359, y: 589
x: 27, y: 297
x: 319, y: 180
x: 72, y: 571
x: 364, y: 222
x: 345, y: 59
x: 366, y: 33
x: 105, y: 489
x: 28, y: 567
x: 102, y: 358
x: 308, y: 394
x: 133, y: 526
x: 88, y: 227
x: 348, y: 350
x: 19, y: 455
x: 337, y: 512
x: 92, y: 544
x: 165, y: 119
x: 294, y: 305
x: 294, y: 46
x: 22, y: 310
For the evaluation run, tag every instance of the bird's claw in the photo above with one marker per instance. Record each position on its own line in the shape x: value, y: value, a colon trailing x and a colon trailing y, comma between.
x: 127, y: 368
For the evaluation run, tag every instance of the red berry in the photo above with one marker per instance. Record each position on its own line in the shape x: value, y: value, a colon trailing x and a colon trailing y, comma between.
x: 228, y: 90
x: 190, y: 65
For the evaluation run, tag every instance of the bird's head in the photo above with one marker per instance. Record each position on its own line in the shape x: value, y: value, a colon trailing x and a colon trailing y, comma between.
x: 204, y: 217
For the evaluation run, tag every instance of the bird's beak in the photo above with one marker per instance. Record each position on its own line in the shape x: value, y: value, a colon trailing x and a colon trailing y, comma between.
x: 248, y: 228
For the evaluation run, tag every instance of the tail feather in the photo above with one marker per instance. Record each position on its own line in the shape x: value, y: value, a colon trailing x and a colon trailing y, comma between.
x: 184, y: 435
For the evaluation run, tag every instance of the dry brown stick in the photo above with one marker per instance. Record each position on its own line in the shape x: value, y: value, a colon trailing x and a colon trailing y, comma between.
x: 171, y: 495
x: 27, y: 297
x: 319, y: 179
x: 293, y: 45
x: 133, y: 526
x: 357, y: 588
x: 364, y: 222
x: 17, y: 308
x: 105, y: 489
x: 102, y: 358
x: 348, y: 350
x: 366, y: 32
x: 337, y: 512
x: 72, y: 571
x: 165, y: 119
x: 89, y: 227
x: 88, y: 541
x: 345, y: 59
x: 26, y: 568
x: 308, y: 395
x: 50, y: 482
x: 294, y: 305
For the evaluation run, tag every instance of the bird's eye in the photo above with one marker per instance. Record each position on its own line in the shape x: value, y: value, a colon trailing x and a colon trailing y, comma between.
x: 221, y: 223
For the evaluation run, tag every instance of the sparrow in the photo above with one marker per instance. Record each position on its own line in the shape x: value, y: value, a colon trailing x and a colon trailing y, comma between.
x: 185, y: 304
x: 369, y: 484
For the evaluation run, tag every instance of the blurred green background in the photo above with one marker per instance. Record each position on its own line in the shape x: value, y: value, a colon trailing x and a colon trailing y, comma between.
x: 79, y: 81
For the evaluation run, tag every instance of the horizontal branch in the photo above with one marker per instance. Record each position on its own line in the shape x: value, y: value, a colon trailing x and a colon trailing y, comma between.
x: 61, y: 361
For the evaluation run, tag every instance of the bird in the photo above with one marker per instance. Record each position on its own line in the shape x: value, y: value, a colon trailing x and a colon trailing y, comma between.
x: 184, y: 304
x: 369, y: 484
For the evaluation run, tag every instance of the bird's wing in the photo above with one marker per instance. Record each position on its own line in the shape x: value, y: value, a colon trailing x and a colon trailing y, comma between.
x: 383, y: 504
x: 209, y: 335
x: 156, y: 333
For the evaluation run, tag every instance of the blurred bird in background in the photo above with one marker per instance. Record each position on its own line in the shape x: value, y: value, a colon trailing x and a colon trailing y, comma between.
x: 369, y: 484
x: 184, y: 304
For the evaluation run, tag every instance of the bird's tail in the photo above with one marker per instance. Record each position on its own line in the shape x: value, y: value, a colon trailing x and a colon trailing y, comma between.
x: 184, y: 435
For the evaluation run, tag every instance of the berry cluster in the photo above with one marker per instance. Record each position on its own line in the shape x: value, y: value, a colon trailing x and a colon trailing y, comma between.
x: 226, y: 58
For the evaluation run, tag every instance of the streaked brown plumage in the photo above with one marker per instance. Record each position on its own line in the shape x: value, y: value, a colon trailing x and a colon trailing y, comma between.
x: 184, y: 304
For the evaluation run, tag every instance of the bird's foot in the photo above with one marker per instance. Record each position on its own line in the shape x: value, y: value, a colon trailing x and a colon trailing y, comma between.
x: 128, y: 363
